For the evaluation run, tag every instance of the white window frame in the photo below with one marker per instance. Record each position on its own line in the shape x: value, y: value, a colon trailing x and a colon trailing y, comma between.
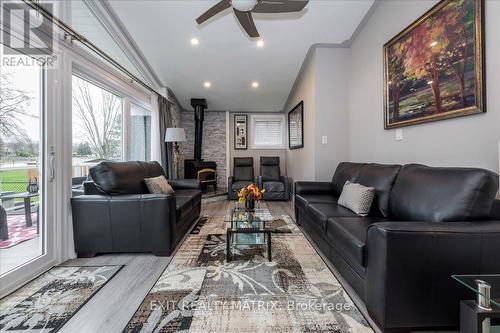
x: 116, y: 86
x: 267, y: 117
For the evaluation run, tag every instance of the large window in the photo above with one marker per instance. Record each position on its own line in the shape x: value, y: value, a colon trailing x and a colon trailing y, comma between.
x: 140, y: 129
x: 268, y: 131
x: 97, y: 126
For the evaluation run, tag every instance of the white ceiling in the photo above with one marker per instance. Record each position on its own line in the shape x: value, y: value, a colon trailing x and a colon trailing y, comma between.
x: 225, y: 55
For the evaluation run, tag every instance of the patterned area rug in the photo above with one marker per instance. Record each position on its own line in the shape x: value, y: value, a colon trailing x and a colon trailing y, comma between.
x: 48, y: 302
x: 200, y: 292
x: 18, y: 232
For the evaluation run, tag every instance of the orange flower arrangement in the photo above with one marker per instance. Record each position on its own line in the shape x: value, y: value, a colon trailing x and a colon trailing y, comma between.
x: 251, y: 192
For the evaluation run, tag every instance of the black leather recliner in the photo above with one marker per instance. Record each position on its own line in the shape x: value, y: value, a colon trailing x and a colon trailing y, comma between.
x: 118, y: 214
x: 426, y: 224
x: 242, y: 176
x: 275, y: 185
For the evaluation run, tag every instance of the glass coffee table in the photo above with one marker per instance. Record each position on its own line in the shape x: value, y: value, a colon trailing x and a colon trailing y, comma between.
x: 248, y: 229
x: 483, y: 314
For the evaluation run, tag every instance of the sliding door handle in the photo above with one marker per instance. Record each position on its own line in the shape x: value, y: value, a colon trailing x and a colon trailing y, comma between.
x: 52, y: 170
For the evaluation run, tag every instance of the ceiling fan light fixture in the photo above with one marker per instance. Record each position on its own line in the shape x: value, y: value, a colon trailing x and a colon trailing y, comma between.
x: 244, y: 5
x: 207, y: 84
x: 195, y: 41
x: 243, y: 10
x: 260, y: 43
x: 255, y: 84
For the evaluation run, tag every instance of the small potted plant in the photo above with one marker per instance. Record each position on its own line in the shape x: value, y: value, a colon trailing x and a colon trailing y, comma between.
x: 249, y: 195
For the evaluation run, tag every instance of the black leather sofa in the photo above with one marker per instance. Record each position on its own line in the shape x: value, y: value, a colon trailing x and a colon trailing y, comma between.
x: 426, y: 224
x: 242, y: 176
x: 270, y: 179
x: 118, y: 214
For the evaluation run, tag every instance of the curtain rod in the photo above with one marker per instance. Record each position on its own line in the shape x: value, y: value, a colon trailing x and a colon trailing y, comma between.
x: 80, y: 38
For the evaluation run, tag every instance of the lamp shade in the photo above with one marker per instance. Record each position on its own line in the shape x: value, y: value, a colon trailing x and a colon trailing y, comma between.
x: 175, y: 135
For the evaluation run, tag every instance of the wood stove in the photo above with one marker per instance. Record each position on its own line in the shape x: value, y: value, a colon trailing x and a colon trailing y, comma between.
x: 193, y: 166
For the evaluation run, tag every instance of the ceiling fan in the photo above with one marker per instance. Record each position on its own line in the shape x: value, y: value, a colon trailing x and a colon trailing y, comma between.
x: 244, y: 15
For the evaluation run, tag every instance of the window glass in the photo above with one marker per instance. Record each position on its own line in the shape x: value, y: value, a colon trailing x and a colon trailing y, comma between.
x: 97, y: 126
x: 140, y: 129
x: 22, y: 194
x: 87, y: 24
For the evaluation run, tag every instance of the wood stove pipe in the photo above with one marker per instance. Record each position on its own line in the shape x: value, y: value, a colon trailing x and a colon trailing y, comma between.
x: 199, y: 105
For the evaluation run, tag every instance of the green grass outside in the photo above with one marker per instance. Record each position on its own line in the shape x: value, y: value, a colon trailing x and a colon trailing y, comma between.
x: 13, y: 180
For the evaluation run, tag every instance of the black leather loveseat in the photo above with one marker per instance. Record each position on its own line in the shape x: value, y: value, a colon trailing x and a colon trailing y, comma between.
x: 118, y: 214
x: 426, y: 224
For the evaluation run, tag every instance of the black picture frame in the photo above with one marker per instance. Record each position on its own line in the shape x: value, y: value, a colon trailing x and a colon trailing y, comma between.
x: 240, y: 132
x: 296, y: 132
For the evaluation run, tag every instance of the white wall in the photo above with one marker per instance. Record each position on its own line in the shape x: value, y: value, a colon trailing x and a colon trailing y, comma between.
x: 468, y: 141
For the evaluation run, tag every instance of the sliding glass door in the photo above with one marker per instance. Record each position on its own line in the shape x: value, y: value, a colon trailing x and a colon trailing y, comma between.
x: 26, y: 174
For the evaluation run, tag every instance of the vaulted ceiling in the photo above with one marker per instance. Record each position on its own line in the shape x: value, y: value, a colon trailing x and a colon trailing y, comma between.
x: 225, y: 56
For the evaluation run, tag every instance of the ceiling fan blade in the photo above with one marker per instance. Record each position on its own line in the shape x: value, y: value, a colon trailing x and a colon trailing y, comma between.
x: 216, y: 9
x: 279, y: 6
x: 246, y: 21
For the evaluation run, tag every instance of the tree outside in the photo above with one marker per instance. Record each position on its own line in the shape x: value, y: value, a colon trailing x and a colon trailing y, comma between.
x: 97, y: 122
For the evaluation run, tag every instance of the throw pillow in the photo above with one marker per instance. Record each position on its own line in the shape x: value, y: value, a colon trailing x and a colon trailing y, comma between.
x: 357, y: 198
x: 159, y: 185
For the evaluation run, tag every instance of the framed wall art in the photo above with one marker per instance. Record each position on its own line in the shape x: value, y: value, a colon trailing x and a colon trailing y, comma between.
x: 240, y: 132
x: 434, y: 69
x: 296, y: 127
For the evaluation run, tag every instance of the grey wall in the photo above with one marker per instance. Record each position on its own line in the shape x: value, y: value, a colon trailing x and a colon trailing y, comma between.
x: 468, y: 141
x: 342, y: 89
x: 300, y: 162
x: 323, y: 86
x: 332, y: 87
x: 214, y: 142
x: 255, y: 153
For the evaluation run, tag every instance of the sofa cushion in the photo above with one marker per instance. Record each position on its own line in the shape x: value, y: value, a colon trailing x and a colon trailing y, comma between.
x: 193, y: 194
x: 118, y: 178
x: 320, y: 212
x: 183, y: 206
x: 238, y: 185
x: 357, y: 198
x: 348, y: 236
x: 345, y: 171
x: 382, y: 178
x: 423, y: 193
x: 158, y: 185
x: 274, y: 186
x: 270, y: 168
x: 302, y: 200
x: 495, y: 211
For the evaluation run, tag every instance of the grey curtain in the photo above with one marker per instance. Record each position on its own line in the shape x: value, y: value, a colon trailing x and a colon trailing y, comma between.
x: 164, y: 107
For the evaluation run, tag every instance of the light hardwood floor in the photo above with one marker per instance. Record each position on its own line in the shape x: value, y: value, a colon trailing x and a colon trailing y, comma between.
x: 112, y: 307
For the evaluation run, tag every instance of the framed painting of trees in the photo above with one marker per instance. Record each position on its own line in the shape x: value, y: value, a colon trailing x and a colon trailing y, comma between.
x: 434, y: 69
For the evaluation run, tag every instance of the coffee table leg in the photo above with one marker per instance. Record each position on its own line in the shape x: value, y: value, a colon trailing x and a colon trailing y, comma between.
x: 269, y: 254
x: 228, y: 246
x: 27, y: 211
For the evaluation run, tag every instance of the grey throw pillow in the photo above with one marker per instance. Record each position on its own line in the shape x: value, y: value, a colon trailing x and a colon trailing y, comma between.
x: 159, y: 185
x: 357, y: 198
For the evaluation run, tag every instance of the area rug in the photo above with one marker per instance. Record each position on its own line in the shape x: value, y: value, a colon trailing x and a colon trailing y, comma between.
x: 48, y: 302
x: 18, y: 232
x: 200, y: 292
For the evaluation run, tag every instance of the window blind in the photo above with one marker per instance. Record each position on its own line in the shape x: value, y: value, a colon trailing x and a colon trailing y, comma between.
x: 268, y: 132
